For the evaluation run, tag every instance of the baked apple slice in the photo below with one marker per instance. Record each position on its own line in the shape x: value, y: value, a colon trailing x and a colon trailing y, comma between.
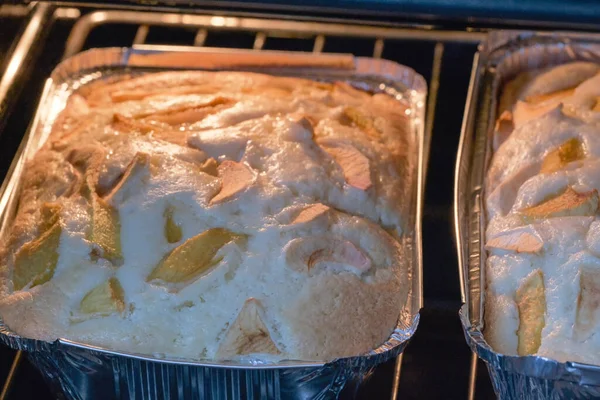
x: 569, y: 151
x: 364, y: 122
x: 596, y: 106
x: 354, y: 164
x: 50, y: 215
x: 173, y: 231
x: 186, y: 114
x: 104, y: 231
x: 531, y: 302
x: 519, y: 240
x: 125, y: 124
x: 588, y: 302
x: 248, y: 334
x: 555, y: 96
x: 193, y: 258
x: 105, y: 299
x: 210, y: 167
x: 135, y: 173
x: 235, y: 178
x: 503, y: 129
x: 36, y: 261
x: 537, y: 105
x: 314, y: 252
x: 310, y: 213
x: 568, y: 204
x: 301, y: 128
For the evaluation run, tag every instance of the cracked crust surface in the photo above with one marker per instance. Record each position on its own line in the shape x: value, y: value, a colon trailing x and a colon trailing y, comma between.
x: 543, y: 233
x: 144, y: 164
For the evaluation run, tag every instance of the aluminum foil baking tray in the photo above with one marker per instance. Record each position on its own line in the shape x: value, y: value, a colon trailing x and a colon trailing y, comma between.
x: 82, y: 371
x: 500, y: 58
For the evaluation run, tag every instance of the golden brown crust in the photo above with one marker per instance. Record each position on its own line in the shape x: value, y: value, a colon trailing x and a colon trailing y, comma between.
x: 252, y: 145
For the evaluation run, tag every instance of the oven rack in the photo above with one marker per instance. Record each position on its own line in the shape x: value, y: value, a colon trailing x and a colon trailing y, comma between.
x: 430, y: 44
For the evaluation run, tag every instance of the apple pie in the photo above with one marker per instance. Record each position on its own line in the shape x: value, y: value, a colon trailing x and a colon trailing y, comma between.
x: 543, y: 232
x: 215, y: 215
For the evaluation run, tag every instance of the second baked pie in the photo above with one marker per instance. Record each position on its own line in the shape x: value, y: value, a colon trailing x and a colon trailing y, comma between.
x: 543, y: 236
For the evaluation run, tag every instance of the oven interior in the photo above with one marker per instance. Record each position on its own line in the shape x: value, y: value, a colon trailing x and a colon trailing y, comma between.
x: 35, y: 37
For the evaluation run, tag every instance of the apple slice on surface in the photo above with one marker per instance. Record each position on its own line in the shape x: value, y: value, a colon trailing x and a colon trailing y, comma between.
x: 310, y: 253
x: 535, y: 106
x: 119, y: 96
x: 524, y: 112
x: 588, y: 301
x: 518, y: 240
x: 354, y: 164
x: 36, y: 261
x: 104, y: 231
x: 596, y: 106
x: 568, y: 204
x: 135, y: 172
x: 131, y: 125
x: 531, y: 302
x: 300, y: 128
x: 364, y: 122
x: 125, y: 124
x: 569, y: 151
x: 185, y: 114
x: 248, y: 334
x: 193, y: 258
x: 503, y: 129
x: 310, y: 213
x: 555, y: 96
x: 210, y: 167
x: 50, y: 214
x: 235, y: 178
x: 105, y: 299
x: 173, y: 231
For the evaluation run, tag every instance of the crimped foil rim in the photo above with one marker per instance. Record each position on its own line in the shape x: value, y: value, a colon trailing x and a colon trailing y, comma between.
x: 393, y: 346
x: 533, y: 366
x: 412, y: 87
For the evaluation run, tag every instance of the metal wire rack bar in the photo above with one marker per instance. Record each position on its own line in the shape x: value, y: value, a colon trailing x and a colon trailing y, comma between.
x: 13, y: 10
x: 262, y: 27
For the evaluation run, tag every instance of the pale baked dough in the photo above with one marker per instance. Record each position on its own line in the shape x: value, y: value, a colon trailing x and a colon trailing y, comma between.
x: 543, y: 232
x: 215, y: 216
